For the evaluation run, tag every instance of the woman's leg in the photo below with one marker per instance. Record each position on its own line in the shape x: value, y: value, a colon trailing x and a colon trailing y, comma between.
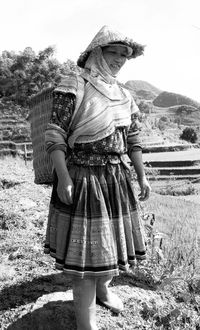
x: 84, y: 292
x: 106, y: 296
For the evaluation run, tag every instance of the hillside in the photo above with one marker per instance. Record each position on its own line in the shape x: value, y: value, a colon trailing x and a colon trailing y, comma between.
x: 176, y: 115
x: 166, y: 114
x: 14, y: 125
x: 142, y: 89
x: 167, y: 99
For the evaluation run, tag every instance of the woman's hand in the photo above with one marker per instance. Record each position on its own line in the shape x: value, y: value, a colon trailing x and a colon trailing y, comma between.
x: 65, y: 190
x: 145, y: 189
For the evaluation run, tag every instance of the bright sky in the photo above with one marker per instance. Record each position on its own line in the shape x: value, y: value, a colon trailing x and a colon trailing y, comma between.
x: 170, y: 29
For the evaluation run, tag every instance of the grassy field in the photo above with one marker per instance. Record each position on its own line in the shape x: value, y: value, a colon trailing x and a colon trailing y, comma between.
x: 161, y: 293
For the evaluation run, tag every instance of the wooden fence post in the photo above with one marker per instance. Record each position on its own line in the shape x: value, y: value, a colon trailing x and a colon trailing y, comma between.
x: 25, y: 154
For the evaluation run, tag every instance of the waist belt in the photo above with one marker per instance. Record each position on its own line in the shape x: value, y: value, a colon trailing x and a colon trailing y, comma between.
x: 89, y: 159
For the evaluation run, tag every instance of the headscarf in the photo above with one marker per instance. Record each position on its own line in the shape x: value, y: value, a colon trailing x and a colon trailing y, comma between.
x: 98, y: 73
x: 105, y: 105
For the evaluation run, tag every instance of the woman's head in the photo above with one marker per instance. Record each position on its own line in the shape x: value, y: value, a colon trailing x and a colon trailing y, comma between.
x: 107, y: 37
x: 115, y: 56
x: 105, y: 62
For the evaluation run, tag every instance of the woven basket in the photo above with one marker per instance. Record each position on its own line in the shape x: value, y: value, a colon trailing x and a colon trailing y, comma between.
x: 41, y: 109
x: 41, y: 106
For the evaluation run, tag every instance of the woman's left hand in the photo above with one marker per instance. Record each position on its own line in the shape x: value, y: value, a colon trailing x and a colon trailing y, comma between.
x: 145, y: 189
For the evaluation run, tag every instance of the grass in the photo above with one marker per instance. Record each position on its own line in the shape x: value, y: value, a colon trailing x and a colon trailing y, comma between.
x: 174, y: 240
x: 173, y: 264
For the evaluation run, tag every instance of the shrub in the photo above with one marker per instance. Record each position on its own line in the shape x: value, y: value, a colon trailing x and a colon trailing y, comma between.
x: 145, y: 106
x: 177, y: 190
x: 163, y: 123
x: 189, y: 135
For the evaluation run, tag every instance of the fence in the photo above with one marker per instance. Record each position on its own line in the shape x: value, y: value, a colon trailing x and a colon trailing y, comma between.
x: 22, y: 149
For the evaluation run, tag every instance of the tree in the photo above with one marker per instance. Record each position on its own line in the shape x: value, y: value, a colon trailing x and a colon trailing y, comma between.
x: 26, y: 73
x: 189, y: 135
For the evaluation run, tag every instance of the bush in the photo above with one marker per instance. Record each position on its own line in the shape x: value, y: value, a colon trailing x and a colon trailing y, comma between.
x: 163, y: 123
x: 189, y: 135
x: 177, y: 190
x: 145, y: 107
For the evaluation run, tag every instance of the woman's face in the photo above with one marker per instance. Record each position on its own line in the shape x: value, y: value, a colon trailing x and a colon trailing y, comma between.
x: 115, y: 57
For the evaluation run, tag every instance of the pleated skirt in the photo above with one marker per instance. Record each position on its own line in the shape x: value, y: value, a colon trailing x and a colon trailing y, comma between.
x: 101, y: 232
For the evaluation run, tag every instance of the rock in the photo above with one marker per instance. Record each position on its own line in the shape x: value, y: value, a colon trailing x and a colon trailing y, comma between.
x: 27, y: 203
x: 6, y: 272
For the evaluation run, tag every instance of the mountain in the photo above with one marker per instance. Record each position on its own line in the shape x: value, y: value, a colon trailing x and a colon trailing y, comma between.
x: 177, y: 108
x: 167, y: 99
x: 142, y: 89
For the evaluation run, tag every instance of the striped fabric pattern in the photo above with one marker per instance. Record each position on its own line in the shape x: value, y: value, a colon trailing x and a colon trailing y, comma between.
x: 101, y: 232
x: 56, y: 135
x: 98, y: 116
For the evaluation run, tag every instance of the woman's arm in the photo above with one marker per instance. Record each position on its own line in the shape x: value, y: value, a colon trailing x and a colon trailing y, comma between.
x: 56, y: 137
x: 136, y: 159
x: 135, y: 154
x: 65, y: 187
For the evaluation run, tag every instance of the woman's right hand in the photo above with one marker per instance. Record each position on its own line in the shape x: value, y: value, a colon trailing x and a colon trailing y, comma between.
x: 65, y: 190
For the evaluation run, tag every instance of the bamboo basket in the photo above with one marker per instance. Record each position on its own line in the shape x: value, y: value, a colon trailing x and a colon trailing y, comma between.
x: 41, y: 109
x: 41, y: 106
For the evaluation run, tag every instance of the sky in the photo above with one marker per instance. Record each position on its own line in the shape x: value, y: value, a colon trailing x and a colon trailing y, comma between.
x: 170, y: 30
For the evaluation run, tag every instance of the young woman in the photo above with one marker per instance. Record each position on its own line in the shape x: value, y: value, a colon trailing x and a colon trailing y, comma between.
x: 94, y: 228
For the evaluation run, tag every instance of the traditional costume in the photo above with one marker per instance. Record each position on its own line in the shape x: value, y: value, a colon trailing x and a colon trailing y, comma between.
x: 101, y: 232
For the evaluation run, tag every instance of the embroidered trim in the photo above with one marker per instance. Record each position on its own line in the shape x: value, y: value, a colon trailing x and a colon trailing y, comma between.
x: 93, y: 159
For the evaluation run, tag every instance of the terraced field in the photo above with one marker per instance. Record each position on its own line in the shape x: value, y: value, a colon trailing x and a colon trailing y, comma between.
x: 182, y: 164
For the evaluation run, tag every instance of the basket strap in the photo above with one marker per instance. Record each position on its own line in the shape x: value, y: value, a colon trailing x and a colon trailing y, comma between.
x: 79, y: 97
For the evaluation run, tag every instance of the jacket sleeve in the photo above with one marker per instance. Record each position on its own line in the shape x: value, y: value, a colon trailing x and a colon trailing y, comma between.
x: 57, y: 131
x: 64, y: 99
